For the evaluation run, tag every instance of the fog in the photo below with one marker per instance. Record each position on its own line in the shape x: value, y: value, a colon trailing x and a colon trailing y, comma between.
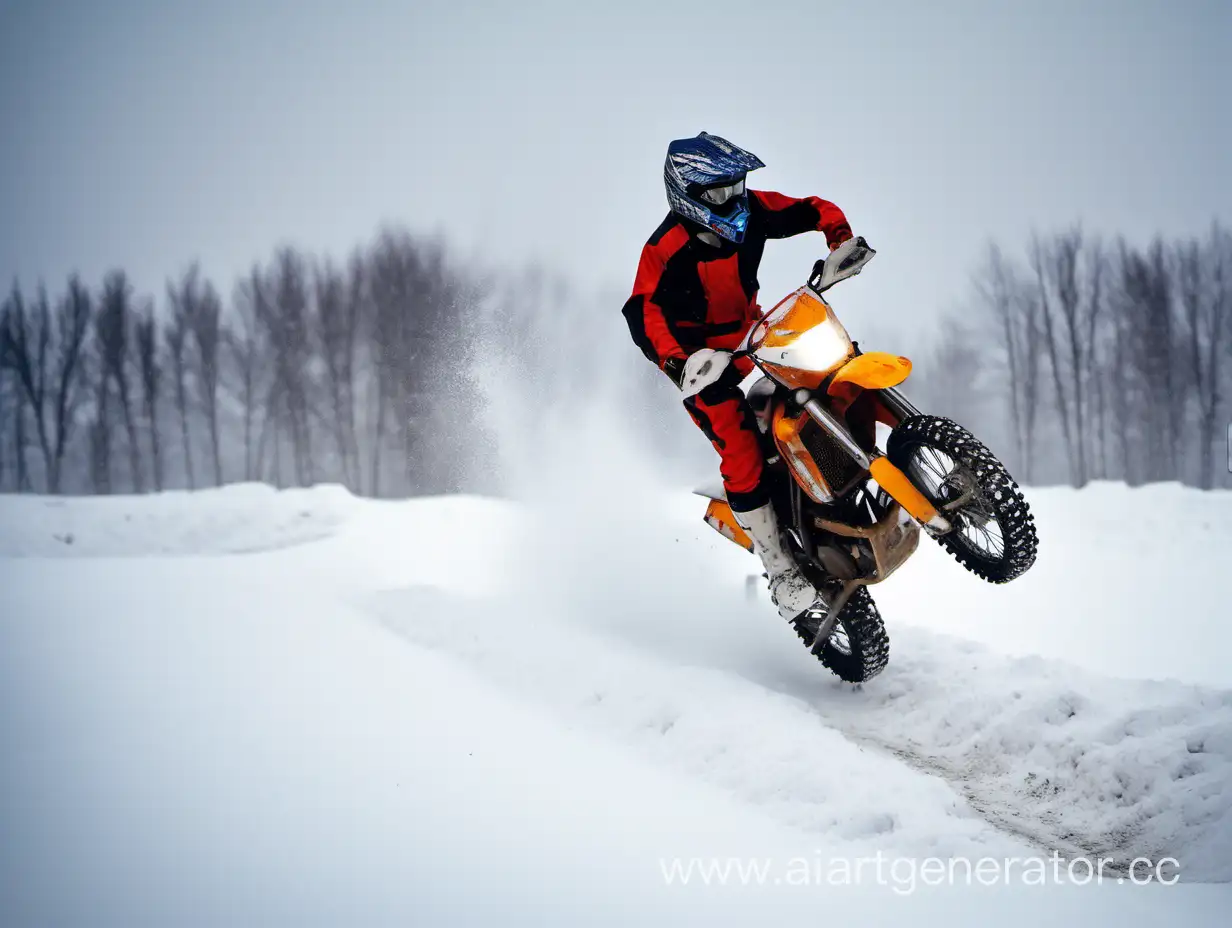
x: 145, y: 135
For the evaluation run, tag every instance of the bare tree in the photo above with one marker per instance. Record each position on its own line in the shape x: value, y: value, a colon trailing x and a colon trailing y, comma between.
x: 44, y: 356
x: 176, y: 335
x: 12, y: 404
x: 112, y: 327
x: 358, y: 318
x: 1015, y: 314
x: 25, y: 338
x: 19, y: 439
x: 392, y: 290
x: 72, y: 322
x: 247, y: 358
x: 1123, y: 402
x: 1129, y: 336
x: 1100, y: 363
x: 1204, y: 291
x: 204, y: 311
x: 414, y: 304
x: 8, y: 407
x: 150, y: 370
x: 1069, y: 274
x: 1147, y: 326
x: 339, y: 304
x: 100, y: 434
x: 286, y: 320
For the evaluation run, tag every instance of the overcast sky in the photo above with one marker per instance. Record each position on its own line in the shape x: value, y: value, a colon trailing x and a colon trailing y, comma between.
x: 145, y: 135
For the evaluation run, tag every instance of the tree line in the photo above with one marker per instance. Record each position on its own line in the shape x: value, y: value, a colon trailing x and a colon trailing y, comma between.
x: 312, y: 371
x: 1091, y: 359
x: 1079, y: 359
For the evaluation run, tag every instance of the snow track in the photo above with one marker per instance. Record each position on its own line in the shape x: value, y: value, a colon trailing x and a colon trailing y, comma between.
x: 767, y: 749
x: 1021, y: 756
x: 537, y: 698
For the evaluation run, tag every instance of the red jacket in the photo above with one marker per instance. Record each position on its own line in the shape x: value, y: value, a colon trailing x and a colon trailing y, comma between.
x: 690, y: 295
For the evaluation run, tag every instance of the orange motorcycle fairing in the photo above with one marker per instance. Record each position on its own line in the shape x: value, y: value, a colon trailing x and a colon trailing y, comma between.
x: 800, y: 341
x: 786, y: 430
x: 795, y: 313
x: 719, y: 516
x: 873, y: 370
x: 794, y: 378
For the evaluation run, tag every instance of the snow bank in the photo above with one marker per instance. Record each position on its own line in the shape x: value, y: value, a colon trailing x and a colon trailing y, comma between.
x: 1129, y: 582
x: 229, y: 520
x: 1092, y: 766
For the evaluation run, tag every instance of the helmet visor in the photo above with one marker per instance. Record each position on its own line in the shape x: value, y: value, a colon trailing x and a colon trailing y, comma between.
x: 717, y: 196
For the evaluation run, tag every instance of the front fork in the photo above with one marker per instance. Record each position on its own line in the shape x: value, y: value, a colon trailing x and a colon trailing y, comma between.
x: 888, y: 477
x: 898, y: 405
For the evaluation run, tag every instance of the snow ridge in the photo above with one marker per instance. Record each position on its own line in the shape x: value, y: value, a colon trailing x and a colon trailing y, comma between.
x: 1023, y: 756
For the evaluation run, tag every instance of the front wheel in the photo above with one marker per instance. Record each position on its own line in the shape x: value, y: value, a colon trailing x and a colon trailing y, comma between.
x: 993, y: 533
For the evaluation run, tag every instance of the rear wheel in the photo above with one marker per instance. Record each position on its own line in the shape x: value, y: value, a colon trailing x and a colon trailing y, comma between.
x: 993, y: 533
x: 858, y: 647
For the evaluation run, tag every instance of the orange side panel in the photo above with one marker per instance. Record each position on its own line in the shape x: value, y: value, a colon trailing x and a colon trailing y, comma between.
x: 719, y: 516
x: 787, y: 437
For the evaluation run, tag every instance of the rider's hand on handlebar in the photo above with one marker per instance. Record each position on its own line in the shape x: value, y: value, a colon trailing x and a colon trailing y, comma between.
x: 698, y: 371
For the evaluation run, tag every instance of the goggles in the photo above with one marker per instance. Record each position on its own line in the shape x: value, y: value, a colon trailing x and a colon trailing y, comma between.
x: 720, y: 195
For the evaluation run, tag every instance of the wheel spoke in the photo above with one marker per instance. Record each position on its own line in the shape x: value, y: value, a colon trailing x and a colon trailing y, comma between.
x: 992, y: 546
x: 926, y: 466
x: 934, y: 466
x: 949, y: 486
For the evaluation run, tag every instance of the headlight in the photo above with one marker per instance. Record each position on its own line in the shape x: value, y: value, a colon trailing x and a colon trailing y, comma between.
x: 819, y: 350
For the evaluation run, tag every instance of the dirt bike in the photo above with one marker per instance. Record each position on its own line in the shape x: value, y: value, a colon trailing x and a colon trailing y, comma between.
x: 854, y: 513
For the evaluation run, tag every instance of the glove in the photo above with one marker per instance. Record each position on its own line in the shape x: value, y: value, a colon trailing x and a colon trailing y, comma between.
x: 847, y: 260
x: 698, y: 371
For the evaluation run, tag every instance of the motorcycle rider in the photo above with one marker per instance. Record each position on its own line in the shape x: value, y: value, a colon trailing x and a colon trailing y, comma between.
x: 693, y: 300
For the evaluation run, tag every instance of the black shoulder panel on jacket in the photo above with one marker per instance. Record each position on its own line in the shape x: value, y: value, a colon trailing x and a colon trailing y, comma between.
x: 664, y: 227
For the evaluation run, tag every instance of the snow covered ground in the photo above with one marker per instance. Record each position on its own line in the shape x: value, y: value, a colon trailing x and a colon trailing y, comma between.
x: 248, y: 517
x: 257, y: 707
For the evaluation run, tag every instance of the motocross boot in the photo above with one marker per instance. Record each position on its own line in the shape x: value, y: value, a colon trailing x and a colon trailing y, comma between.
x: 790, y: 590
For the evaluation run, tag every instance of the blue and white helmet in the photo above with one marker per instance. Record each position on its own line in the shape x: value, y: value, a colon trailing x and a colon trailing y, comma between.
x: 705, y: 183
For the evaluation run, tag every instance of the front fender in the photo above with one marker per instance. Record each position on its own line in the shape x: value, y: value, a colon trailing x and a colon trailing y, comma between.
x: 873, y: 370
